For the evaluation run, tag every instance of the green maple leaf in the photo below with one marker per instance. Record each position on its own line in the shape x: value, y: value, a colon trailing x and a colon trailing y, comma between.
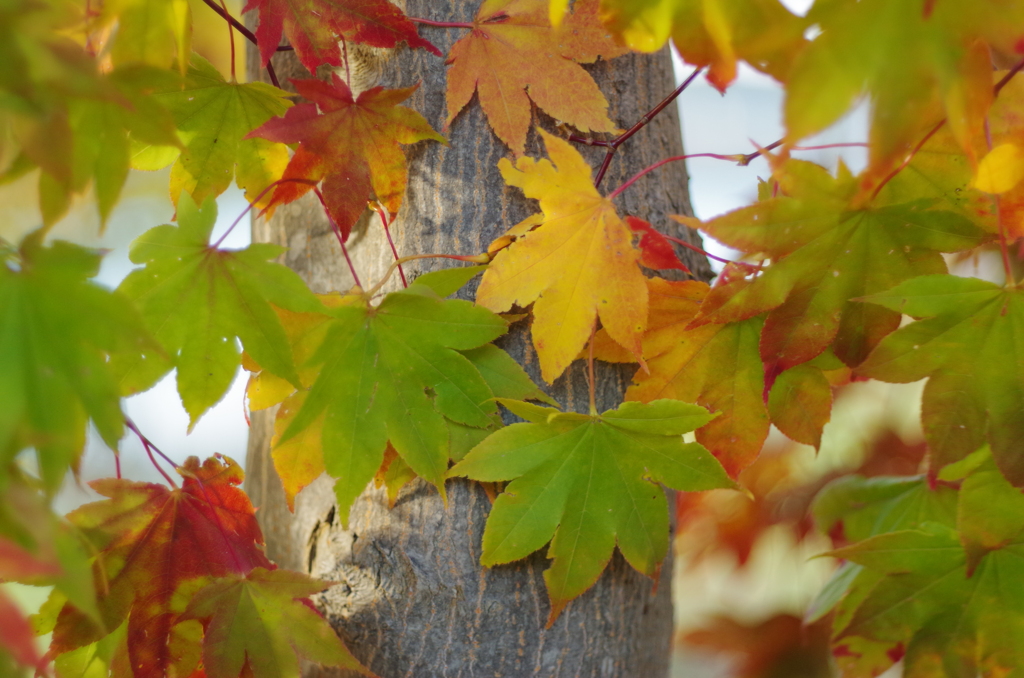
x: 947, y: 618
x: 262, y: 620
x: 393, y: 373
x: 825, y: 253
x: 149, y: 31
x: 915, y: 60
x: 971, y: 345
x: 859, y: 508
x: 57, y: 331
x: 213, y: 118
x: 585, y: 483
x: 197, y: 299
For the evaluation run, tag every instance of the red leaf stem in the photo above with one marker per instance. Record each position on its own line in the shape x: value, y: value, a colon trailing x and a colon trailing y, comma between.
x: 253, y: 204
x: 741, y: 264
x: 613, y: 144
x: 382, y: 213
x: 440, y: 24
x: 150, y: 448
x: 339, y: 236
x: 237, y: 25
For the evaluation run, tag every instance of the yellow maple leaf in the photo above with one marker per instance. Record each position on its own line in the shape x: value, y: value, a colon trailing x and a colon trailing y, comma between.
x: 578, y: 265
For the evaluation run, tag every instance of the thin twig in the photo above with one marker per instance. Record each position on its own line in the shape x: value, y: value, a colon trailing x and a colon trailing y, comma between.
x: 698, y: 250
x: 150, y: 448
x: 382, y: 213
x: 472, y: 259
x: 245, y: 32
x: 256, y: 201
x: 590, y: 370
x: 441, y: 24
x: 231, y: 39
x: 339, y: 235
x: 613, y: 144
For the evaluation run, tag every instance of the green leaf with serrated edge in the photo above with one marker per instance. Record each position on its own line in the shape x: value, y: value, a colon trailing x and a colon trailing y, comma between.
x: 990, y: 511
x: 504, y: 375
x: 585, y: 483
x: 917, y: 63
x: 824, y: 254
x: 197, y: 300
x: 864, y: 507
x: 393, y: 373
x: 927, y: 603
x: 261, y: 620
x: 448, y: 281
x: 971, y: 345
x: 715, y: 366
x: 57, y: 331
x: 800, y: 404
x: 834, y: 590
x: 213, y: 117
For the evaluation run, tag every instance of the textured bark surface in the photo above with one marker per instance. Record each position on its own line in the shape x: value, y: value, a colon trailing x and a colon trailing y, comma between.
x: 413, y: 600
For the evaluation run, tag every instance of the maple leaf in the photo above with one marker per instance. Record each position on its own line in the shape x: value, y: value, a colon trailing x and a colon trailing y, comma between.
x: 585, y: 483
x: 800, y: 403
x: 823, y: 255
x: 858, y: 508
x: 914, y: 60
x: 313, y: 27
x: 578, y: 265
x: 148, y: 31
x: 197, y: 299
x: 393, y: 373
x: 57, y: 331
x: 656, y: 251
x: 511, y: 50
x: 970, y: 346
x: 713, y: 33
x: 213, y: 118
x: 16, y: 636
x: 352, y: 144
x: 944, y: 609
x: 155, y: 544
x: 264, y: 620
x: 781, y: 645
x: 716, y: 366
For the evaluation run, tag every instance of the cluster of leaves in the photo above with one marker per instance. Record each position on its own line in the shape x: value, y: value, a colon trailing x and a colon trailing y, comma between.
x: 167, y: 580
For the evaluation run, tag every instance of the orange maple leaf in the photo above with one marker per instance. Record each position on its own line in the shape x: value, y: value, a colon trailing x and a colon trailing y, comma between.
x: 154, y: 541
x: 578, y: 265
x: 716, y: 366
x: 513, y: 48
x: 353, y: 144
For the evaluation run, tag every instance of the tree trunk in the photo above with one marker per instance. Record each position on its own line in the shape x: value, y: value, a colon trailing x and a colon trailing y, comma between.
x: 413, y: 600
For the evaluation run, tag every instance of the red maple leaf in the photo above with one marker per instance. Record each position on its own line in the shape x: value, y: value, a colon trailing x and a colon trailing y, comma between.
x: 314, y: 26
x: 353, y: 144
x: 154, y: 540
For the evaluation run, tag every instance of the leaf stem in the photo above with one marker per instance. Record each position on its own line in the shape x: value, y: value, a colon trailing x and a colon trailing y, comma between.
x: 150, y: 448
x: 741, y: 264
x: 231, y: 39
x: 383, y: 214
x: 474, y: 259
x: 255, y: 202
x: 590, y: 370
x: 338, y: 234
x: 613, y: 144
x: 440, y: 24
x: 246, y: 33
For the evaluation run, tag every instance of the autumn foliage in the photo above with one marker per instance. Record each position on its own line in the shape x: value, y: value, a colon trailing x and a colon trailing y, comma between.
x: 841, y: 277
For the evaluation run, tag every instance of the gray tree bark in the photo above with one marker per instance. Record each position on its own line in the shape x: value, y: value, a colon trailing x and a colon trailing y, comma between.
x: 413, y: 599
